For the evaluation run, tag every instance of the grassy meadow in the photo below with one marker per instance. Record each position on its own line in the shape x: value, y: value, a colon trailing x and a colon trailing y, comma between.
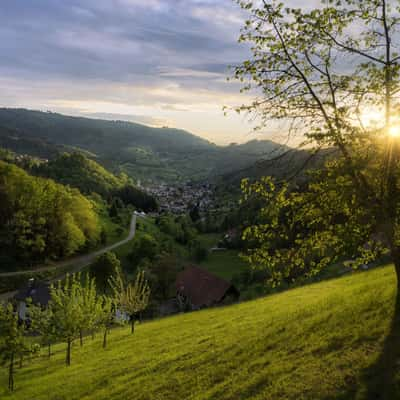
x: 321, y: 341
x: 225, y: 264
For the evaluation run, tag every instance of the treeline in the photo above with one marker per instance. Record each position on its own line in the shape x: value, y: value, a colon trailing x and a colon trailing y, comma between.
x: 131, y: 195
x: 40, y: 219
x: 181, y: 227
x: 75, y: 309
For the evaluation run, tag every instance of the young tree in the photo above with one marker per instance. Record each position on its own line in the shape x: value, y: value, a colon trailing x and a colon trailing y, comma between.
x: 131, y: 298
x: 66, y: 308
x: 43, y: 324
x: 90, y: 304
x: 106, y: 317
x: 13, y: 343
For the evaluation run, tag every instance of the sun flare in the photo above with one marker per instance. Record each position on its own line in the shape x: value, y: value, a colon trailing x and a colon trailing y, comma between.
x: 394, y: 131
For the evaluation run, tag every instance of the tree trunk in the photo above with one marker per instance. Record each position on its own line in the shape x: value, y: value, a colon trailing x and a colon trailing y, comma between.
x: 105, y: 338
x: 81, y: 337
x: 11, y: 373
x: 396, y: 262
x: 68, y: 358
x: 21, y: 357
x: 49, y: 350
x: 132, y: 325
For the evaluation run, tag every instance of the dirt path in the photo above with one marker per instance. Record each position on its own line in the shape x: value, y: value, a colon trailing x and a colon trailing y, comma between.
x: 77, y: 263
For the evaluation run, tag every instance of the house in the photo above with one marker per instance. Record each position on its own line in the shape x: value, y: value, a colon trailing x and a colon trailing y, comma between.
x: 197, y: 288
x: 38, y: 292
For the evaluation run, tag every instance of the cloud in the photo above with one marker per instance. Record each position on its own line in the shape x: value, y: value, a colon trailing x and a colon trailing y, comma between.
x: 153, y: 62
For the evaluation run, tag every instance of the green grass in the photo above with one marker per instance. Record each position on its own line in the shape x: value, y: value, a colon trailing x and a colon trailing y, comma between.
x: 209, y: 240
x: 225, y: 264
x: 313, y: 342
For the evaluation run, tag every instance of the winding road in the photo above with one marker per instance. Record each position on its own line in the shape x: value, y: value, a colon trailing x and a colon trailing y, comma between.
x: 76, y: 263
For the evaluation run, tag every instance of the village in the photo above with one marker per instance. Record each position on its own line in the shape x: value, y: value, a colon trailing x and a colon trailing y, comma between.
x: 180, y: 198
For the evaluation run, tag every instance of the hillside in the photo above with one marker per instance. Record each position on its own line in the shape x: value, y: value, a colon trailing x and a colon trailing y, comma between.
x: 316, y: 342
x: 143, y: 152
x: 76, y: 170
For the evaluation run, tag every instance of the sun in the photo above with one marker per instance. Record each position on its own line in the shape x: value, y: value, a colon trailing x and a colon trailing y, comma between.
x: 394, y: 131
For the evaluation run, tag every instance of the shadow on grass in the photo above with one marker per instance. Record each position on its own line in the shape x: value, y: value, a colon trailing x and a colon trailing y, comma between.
x: 381, y: 379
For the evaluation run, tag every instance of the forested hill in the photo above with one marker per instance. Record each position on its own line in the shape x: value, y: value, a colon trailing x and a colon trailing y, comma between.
x: 103, y: 137
x: 142, y: 152
x: 76, y: 170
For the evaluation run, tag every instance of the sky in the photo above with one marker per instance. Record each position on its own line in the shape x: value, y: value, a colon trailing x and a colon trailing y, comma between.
x: 157, y: 62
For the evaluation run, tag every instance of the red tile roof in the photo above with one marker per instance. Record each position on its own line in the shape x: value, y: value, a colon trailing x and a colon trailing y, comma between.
x: 201, y: 287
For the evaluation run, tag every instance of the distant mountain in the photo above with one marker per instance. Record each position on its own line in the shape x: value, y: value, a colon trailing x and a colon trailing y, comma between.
x: 144, y: 153
x: 289, y: 165
x: 97, y: 135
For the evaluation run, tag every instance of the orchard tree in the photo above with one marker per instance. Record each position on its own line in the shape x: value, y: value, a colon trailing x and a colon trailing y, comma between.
x: 66, y: 308
x: 90, y: 306
x: 43, y: 324
x: 131, y: 298
x: 106, y: 317
x: 13, y: 343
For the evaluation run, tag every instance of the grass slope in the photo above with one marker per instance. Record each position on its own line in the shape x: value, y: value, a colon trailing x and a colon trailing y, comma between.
x: 314, y: 342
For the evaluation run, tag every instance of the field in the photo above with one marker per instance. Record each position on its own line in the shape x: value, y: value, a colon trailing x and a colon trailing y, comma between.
x: 322, y: 341
x: 225, y: 263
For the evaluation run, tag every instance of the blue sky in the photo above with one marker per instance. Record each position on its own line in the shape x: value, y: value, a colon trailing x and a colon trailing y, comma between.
x: 159, y: 62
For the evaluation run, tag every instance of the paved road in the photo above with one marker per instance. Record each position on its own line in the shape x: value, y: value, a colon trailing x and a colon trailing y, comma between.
x: 76, y: 263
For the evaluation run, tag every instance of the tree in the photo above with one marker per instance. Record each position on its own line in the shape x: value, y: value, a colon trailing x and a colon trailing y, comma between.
x: 106, y: 317
x: 66, y: 308
x: 103, y: 268
x: 132, y: 298
x: 130, y: 194
x: 43, y: 323
x: 13, y: 343
x: 144, y: 247
x: 195, y: 213
x: 90, y: 304
x: 322, y: 71
x: 198, y: 251
x: 103, y: 237
x: 162, y: 275
x: 297, y: 58
x: 114, y: 211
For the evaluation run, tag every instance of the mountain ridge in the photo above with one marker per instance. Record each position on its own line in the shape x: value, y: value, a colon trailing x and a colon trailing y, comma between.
x: 141, y: 151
